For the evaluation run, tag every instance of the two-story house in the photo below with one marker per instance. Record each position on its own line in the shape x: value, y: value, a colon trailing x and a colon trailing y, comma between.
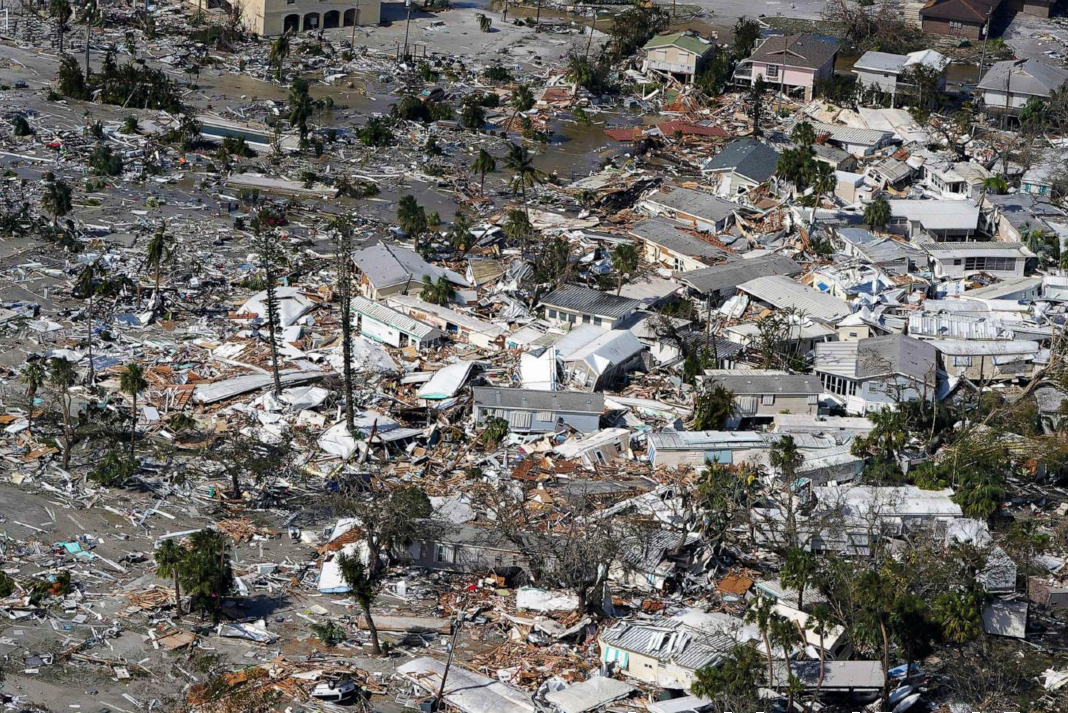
x: 1008, y: 86
x: 679, y: 54
x: 879, y: 372
x: 790, y: 63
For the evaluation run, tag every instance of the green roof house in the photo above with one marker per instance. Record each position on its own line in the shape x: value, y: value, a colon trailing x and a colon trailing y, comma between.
x: 679, y: 54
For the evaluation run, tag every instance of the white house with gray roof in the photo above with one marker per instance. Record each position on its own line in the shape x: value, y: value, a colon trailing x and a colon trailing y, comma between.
x: 387, y: 325
x: 530, y: 411
x: 663, y: 652
x: 1008, y: 86
x: 573, y: 304
x: 878, y: 372
x: 940, y: 220
x: 763, y: 395
x: 889, y: 72
x: 387, y: 269
x: 958, y: 260
x: 698, y: 209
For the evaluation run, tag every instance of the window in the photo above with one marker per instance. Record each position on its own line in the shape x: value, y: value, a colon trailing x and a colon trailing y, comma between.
x: 958, y: 261
x: 747, y: 404
x: 772, y: 71
x: 598, y: 321
x: 519, y: 419
x: 571, y: 318
x: 962, y: 361
x: 768, y: 399
x: 813, y: 400
x: 547, y: 416
x: 552, y: 314
x: 1005, y: 264
x: 445, y: 554
x: 956, y: 25
x: 585, y: 319
x: 853, y: 334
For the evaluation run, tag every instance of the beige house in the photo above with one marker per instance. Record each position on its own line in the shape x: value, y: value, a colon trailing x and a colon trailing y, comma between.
x: 275, y: 17
x: 679, y: 54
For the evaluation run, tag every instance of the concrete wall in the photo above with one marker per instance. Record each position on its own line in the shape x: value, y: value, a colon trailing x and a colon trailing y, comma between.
x: 273, y: 17
x: 883, y: 81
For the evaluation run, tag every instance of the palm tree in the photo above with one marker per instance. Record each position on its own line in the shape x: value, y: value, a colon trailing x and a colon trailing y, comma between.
x: 440, y: 292
x: 797, y: 571
x: 363, y: 585
x: 159, y: 252
x: 34, y: 376
x: 169, y: 560
x: 301, y: 107
x: 960, y: 616
x: 88, y: 16
x: 823, y: 181
x: 484, y: 163
x: 996, y: 185
x: 1032, y: 237
x: 785, y: 633
x: 822, y: 622
x: 132, y: 382
x: 60, y: 12
x: 412, y: 219
x: 763, y: 615
x: 521, y: 163
x: 803, y: 134
x: 522, y: 100
x: 279, y: 53
x: 877, y: 213
x: 86, y: 286
x: 61, y: 378
x: 713, y: 408
x: 624, y: 261
x: 56, y: 198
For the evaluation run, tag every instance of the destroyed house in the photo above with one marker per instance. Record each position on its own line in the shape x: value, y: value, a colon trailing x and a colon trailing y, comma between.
x: 466, y: 548
x: 699, y: 210
x: 668, y: 244
x: 458, y: 325
x: 603, y: 361
x: 782, y: 293
x: 388, y: 269
x: 763, y: 396
x: 894, y: 257
x: 681, y: 449
x: 386, y: 325
x: 530, y: 411
x: 721, y: 281
x: 572, y: 304
x: 982, y: 361
x: 662, y: 652
x: 741, y: 166
x: 871, y: 374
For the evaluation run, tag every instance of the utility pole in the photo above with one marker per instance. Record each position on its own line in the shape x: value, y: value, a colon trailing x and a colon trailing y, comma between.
x: 407, y: 4
x: 537, y: 19
x: 355, y: 24
x: 90, y: 16
x: 448, y: 663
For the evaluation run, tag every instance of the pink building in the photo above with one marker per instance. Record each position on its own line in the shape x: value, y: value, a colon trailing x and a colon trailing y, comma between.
x: 790, y: 63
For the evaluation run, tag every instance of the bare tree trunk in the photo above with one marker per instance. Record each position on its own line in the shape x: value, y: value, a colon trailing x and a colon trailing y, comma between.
x: 89, y: 334
x: 272, y: 318
x: 771, y: 663
x: 177, y: 597
x: 31, y: 395
x: 133, y: 426
x: 66, y: 431
x: 886, y: 659
x: 375, y: 647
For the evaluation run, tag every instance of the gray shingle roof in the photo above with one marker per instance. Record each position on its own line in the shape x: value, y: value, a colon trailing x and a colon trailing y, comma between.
x: 881, y: 62
x: 669, y: 641
x: 747, y: 157
x: 805, y: 50
x: 783, y: 293
x: 667, y: 234
x: 532, y: 400
x: 759, y: 384
x: 1027, y: 76
x: 691, y: 202
x: 735, y: 272
x: 587, y: 301
x: 878, y: 356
